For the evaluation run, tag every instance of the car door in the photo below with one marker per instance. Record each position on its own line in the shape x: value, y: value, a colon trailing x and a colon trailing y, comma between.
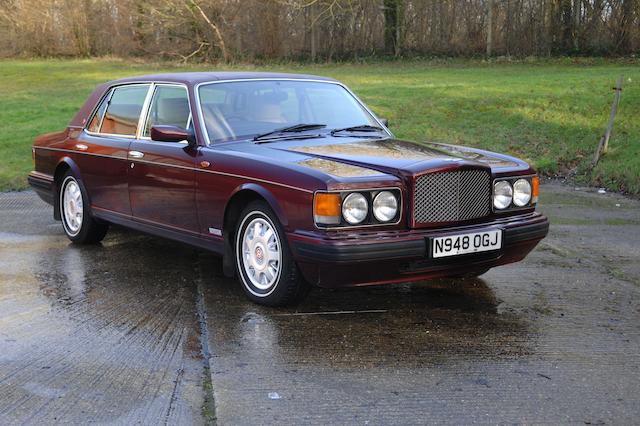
x: 102, y: 148
x: 161, y: 174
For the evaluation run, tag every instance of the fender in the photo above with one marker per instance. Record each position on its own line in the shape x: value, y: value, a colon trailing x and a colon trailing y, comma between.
x: 267, y: 195
x: 72, y: 165
x: 228, y: 263
x: 64, y: 161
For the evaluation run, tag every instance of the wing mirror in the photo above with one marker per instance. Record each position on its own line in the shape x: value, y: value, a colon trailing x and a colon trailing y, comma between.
x: 385, y: 122
x: 173, y: 134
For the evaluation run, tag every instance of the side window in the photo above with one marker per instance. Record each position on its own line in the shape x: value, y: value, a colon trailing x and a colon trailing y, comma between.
x: 169, y: 106
x: 94, y: 125
x: 123, y: 111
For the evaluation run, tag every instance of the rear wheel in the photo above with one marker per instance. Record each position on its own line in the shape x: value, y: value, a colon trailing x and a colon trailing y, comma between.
x: 266, y: 268
x: 77, y: 222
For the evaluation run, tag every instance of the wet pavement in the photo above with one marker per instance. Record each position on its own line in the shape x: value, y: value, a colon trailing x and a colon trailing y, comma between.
x: 143, y: 330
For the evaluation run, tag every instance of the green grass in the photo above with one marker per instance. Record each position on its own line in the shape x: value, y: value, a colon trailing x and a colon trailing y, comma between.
x: 550, y: 113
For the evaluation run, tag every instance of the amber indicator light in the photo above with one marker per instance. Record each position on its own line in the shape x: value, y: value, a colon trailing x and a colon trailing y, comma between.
x: 535, y: 188
x: 327, y: 205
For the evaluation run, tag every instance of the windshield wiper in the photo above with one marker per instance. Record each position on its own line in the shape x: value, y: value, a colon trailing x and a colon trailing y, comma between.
x: 360, y: 128
x: 296, y: 128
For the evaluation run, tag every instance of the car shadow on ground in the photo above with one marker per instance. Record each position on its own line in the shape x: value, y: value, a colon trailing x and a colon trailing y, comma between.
x: 420, y: 322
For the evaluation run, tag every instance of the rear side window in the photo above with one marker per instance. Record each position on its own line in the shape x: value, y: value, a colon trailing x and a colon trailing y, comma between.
x: 169, y: 107
x: 123, y: 110
x: 94, y: 125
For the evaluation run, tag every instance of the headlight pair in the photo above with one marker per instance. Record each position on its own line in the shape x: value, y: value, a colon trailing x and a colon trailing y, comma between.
x: 357, y: 208
x: 516, y: 192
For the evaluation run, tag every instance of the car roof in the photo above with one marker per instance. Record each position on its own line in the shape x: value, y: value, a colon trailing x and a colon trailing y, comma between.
x: 188, y: 78
x: 192, y: 78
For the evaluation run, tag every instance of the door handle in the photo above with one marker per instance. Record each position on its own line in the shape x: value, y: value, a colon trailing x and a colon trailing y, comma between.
x: 136, y: 154
x: 81, y: 147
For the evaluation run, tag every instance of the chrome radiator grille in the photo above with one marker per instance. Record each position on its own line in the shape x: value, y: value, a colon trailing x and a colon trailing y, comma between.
x: 452, y: 196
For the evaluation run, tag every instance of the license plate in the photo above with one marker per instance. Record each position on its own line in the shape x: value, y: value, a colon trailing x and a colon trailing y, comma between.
x: 453, y: 245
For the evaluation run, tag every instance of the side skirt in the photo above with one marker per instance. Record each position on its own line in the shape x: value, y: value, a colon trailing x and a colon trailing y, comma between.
x: 213, y: 245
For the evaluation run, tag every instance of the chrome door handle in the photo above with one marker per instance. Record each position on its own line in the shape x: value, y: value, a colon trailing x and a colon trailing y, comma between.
x: 81, y: 147
x: 136, y: 154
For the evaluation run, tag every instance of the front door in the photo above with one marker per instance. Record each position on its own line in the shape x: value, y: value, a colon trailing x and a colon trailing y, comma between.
x: 161, y: 174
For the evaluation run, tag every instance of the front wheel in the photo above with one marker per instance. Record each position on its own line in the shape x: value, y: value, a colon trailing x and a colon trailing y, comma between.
x: 266, y: 268
x: 77, y: 222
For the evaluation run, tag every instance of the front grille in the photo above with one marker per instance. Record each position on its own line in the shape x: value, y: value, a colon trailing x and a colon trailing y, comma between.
x: 452, y: 196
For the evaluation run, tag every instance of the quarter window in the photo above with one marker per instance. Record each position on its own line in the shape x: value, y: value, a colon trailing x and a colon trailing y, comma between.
x: 169, y: 107
x: 123, y: 110
x: 94, y: 125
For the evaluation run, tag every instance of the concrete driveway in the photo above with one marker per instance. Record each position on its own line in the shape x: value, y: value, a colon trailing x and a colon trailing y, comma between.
x: 143, y: 330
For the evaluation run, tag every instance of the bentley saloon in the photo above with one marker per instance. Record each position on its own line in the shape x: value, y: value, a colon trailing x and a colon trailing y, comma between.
x: 290, y: 178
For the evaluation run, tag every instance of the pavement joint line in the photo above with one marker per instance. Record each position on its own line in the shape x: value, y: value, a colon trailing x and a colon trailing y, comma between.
x: 299, y: 314
x: 201, y: 309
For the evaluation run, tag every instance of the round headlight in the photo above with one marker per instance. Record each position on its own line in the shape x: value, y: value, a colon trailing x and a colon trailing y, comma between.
x: 521, y: 192
x: 385, y: 206
x: 502, y: 194
x: 355, y: 208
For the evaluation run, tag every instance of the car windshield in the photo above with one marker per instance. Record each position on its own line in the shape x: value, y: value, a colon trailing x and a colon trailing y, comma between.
x: 245, y: 109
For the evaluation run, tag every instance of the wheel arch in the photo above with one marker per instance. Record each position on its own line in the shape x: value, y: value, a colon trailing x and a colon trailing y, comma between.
x: 241, y: 196
x: 65, y: 164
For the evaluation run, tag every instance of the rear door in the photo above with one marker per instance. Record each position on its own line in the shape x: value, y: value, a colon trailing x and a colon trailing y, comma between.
x: 161, y: 174
x: 103, y: 146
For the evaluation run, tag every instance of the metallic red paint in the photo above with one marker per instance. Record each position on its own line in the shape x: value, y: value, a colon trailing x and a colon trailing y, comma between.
x: 187, y: 191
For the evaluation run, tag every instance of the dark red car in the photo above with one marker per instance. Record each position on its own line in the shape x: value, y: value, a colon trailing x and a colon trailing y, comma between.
x: 290, y: 178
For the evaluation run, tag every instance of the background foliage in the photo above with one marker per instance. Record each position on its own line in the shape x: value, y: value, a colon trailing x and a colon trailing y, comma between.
x: 550, y: 112
x: 206, y: 30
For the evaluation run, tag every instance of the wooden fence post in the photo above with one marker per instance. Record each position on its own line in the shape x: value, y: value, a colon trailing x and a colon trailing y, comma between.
x: 603, y: 145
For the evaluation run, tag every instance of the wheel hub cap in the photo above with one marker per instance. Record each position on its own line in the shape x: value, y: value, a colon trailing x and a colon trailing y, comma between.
x: 72, y: 206
x: 262, y: 257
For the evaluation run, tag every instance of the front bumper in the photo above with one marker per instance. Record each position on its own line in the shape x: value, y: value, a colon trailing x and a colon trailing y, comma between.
x: 361, y: 258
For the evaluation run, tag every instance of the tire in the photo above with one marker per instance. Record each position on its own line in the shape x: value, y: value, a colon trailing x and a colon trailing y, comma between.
x: 268, y: 274
x: 77, y: 221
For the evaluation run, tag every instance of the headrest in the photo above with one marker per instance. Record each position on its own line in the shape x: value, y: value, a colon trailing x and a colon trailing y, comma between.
x: 173, y: 111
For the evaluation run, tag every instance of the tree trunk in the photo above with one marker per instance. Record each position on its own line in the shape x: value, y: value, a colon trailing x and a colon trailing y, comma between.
x: 566, y: 18
x: 313, y: 33
x: 623, y: 44
x: 392, y: 12
x: 490, y: 13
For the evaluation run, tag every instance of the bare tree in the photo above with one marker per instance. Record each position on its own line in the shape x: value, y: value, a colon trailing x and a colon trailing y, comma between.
x: 223, y: 30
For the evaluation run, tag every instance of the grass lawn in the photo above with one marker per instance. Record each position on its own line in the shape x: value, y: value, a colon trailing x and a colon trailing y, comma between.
x: 550, y: 113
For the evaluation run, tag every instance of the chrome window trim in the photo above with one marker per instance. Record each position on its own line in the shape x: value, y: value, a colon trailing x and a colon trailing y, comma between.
x: 147, y: 109
x: 108, y: 93
x: 110, y: 135
x: 203, y: 128
x: 144, y: 111
x: 349, y: 227
x: 107, y: 99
